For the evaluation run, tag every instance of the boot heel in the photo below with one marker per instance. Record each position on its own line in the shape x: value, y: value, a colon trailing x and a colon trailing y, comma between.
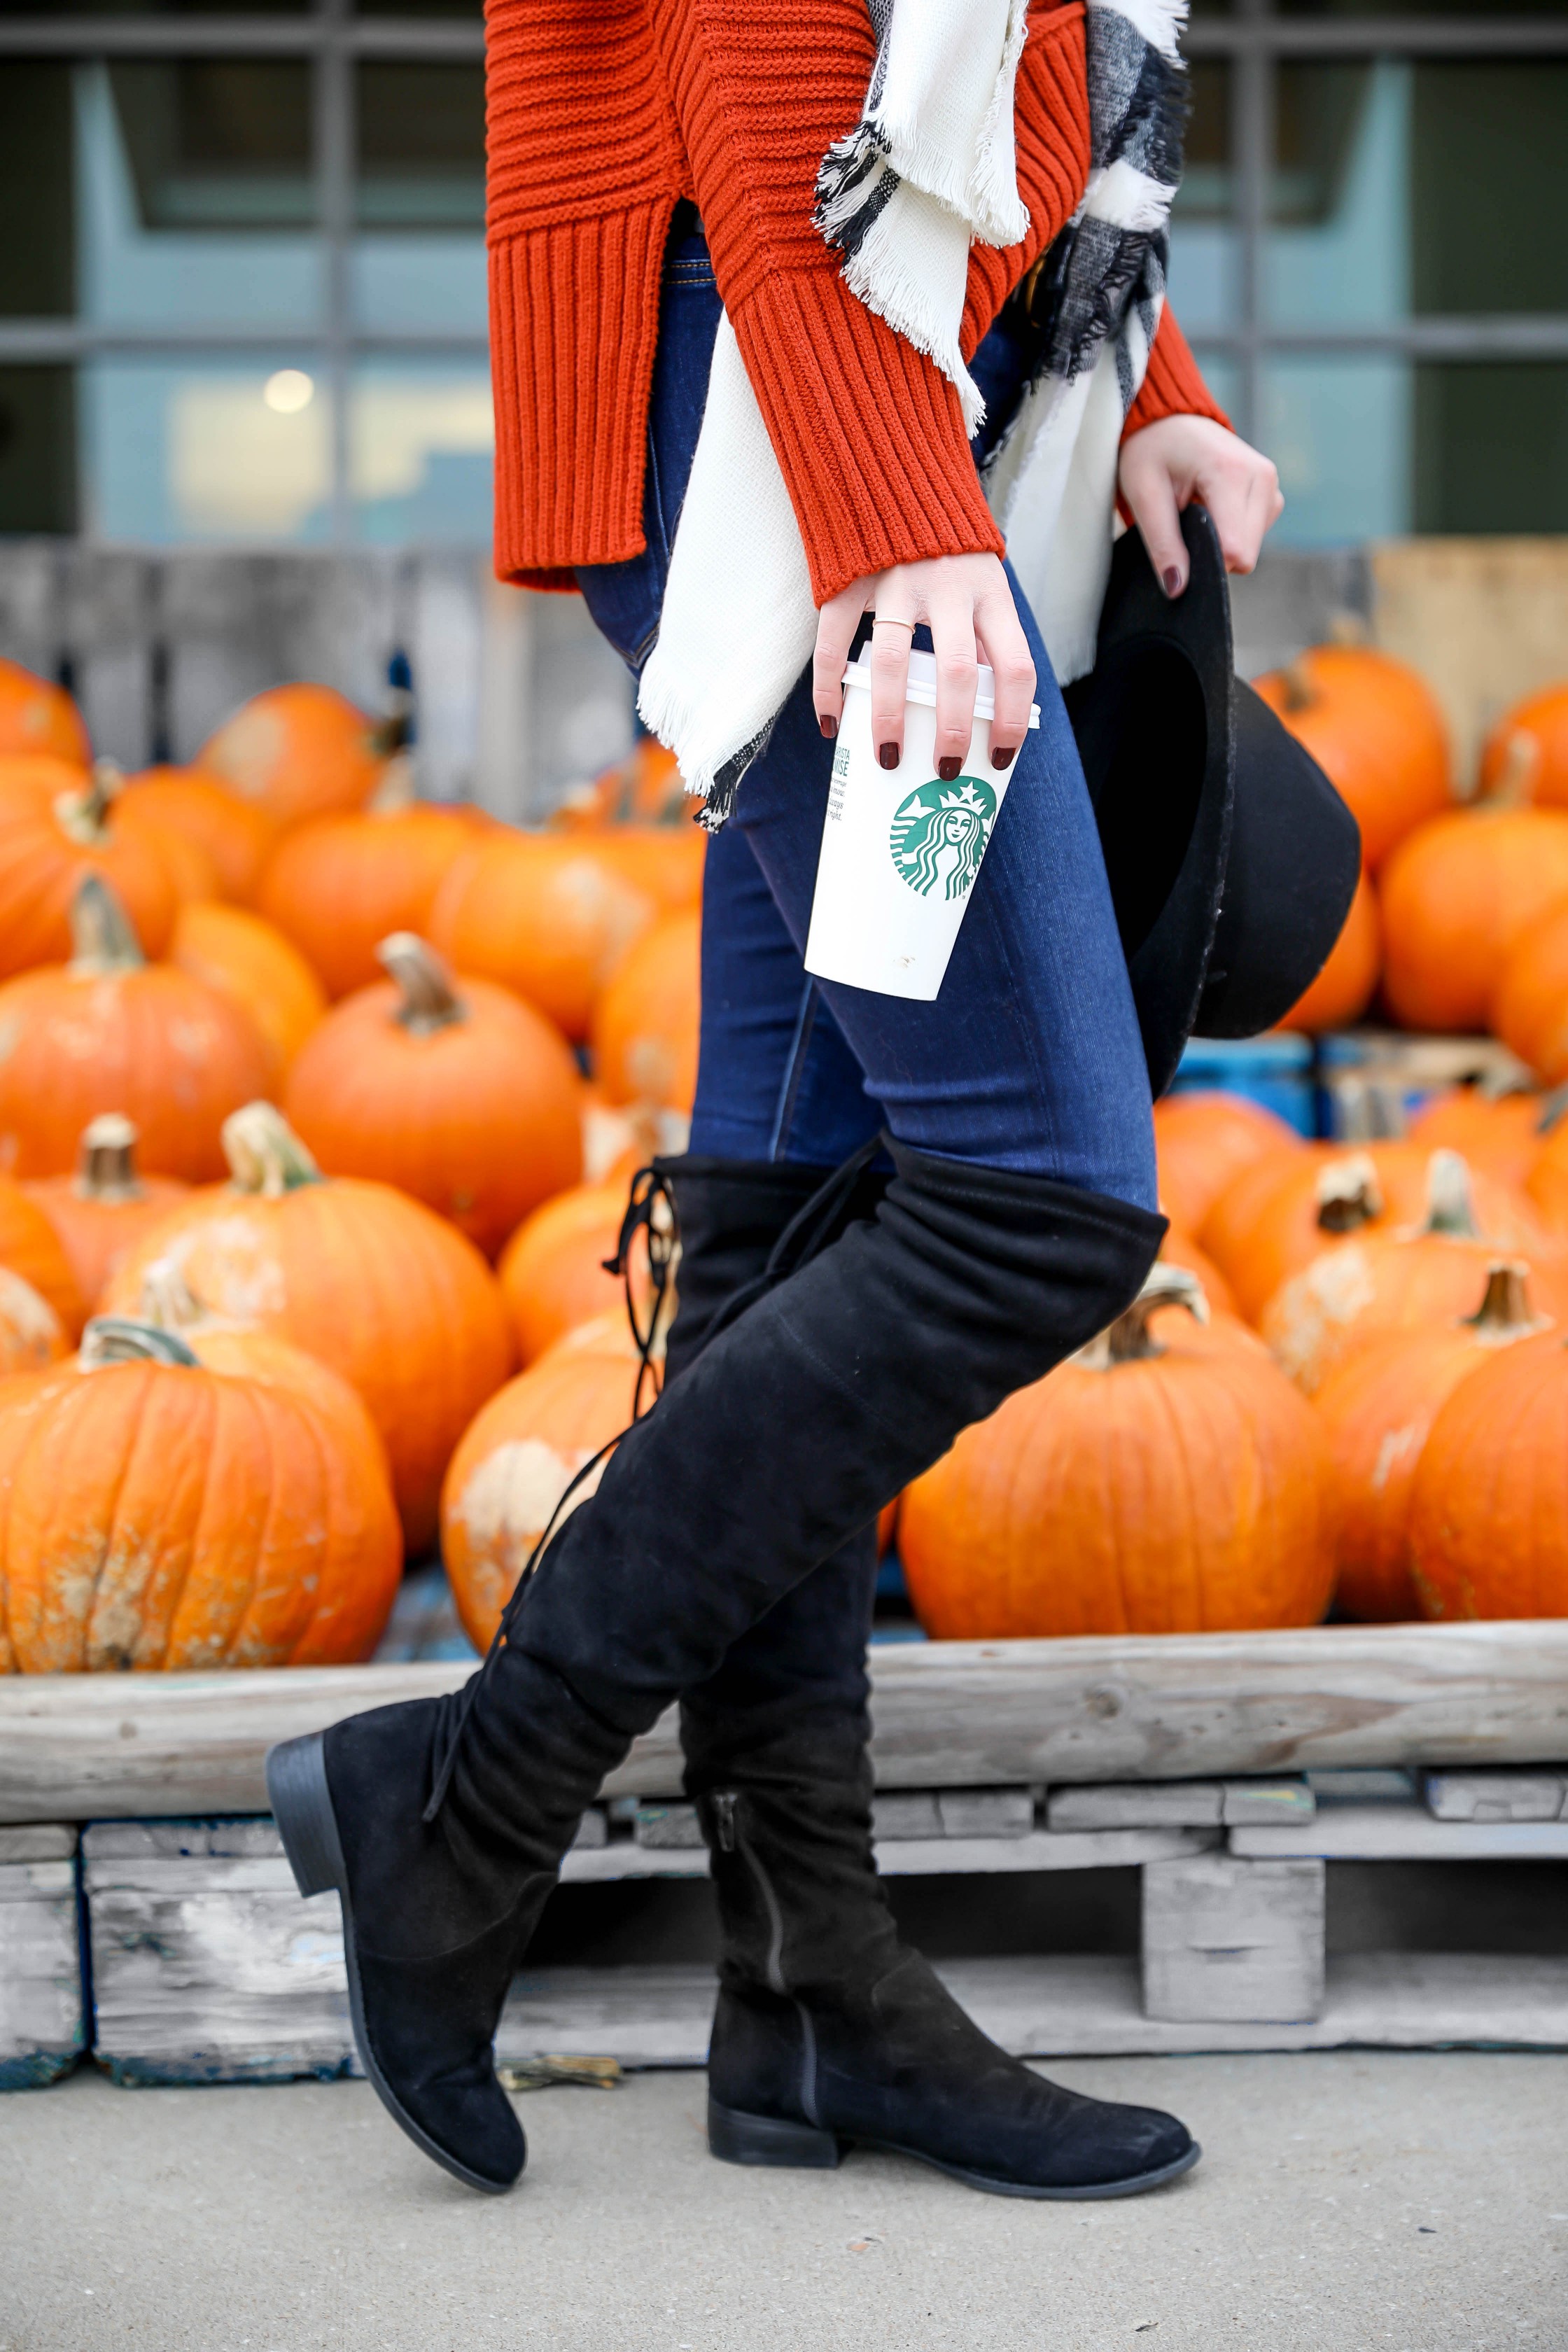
x: 764, y: 2140
x: 302, y: 1808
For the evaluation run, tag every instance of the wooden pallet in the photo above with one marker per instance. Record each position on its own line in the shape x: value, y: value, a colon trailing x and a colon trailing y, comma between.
x: 43, y: 2026
x: 948, y: 1714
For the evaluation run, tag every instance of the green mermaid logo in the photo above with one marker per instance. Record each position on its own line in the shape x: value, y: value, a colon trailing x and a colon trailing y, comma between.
x: 939, y: 835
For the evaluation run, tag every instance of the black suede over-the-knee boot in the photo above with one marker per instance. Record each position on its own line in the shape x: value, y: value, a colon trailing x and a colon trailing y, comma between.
x: 828, y: 2028
x: 441, y: 1826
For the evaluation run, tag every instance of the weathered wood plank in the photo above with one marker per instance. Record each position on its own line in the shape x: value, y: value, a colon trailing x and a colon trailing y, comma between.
x: 948, y: 1714
x: 1494, y: 1796
x: 1405, y: 1834
x: 1240, y: 1942
x: 42, y: 2027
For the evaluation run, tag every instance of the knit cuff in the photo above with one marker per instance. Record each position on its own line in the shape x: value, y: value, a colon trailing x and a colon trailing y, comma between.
x: 1173, y: 384
x: 868, y: 434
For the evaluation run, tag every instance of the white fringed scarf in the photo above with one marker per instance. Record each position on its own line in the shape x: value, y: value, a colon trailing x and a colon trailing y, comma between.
x: 929, y: 170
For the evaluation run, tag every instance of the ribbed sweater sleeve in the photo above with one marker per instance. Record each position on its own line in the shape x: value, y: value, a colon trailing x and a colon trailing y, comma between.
x: 868, y: 434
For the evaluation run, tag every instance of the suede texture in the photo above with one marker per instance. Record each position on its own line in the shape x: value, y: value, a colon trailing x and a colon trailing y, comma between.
x: 896, y: 2061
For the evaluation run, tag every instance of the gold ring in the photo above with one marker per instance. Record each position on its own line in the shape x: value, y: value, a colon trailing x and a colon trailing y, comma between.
x: 888, y: 620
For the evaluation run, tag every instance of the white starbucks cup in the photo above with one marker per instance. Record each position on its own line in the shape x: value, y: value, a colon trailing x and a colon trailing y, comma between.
x: 901, y: 848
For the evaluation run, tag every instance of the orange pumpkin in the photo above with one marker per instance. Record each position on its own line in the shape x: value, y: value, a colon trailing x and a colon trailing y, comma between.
x: 1530, y: 1004
x: 158, y: 1514
x: 1261, y: 1233
x: 1377, y: 729
x: 1457, y: 897
x: 31, y: 1246
x: 336, y: 887
x: 1407, y: 1277
x: 455, y: 1091
x: 1146, y: 1486
x: 247, y: 959
x: 1530, y: 744
x: 517, y: 1458
x: 553, y: 1270
x: 373, y: 1284
x: 106, y: 1207
x: 1342, y: 989
x: 111, y: 1031
x: 544, y: 914
x: 1488, y: 1519
x: 1500, y: 1135
x: 666, y: 861
x: 237, y: 836
x: 297, y: 751
x: 57, y: 826
x: 1205, y: 1137
x: 31, y: 1333
x: 646, y: 1024
x: 1377, y: 1408
x: 645, y: 786
x: 37, y: 715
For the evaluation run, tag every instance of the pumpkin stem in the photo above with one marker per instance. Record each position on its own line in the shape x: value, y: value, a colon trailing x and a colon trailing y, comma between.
x: 83, y: 812
x: 102, y: 938
x: 167, y: 1301
x: 394, y: 792
x: 123, y: 1339
x: 1515, y: 787
x: 1129, y: 1341
x: 106, y: 1162
x: 1504, y: 1312
x: 264, y: 1153
x: 1297, y: 680
x: 429, y: 1000
x: 1348, y: 1196
x: 1449, y: 1207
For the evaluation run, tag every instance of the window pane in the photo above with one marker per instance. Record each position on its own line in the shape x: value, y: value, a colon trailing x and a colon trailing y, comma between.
x: 37, y: 268
x: 217, y: 142
x: 37, y: 449
x: 1337, y: 252
x: 1339, y: 430
x: 1492, y: 446
x: 189, y: 178
x: 1421, y: 8
x: 420, y: 442
x: 1490, y: 158
x: 179, y: 449
x: 1203, y: 233
x: 154, y: 7
x: 421, y: 146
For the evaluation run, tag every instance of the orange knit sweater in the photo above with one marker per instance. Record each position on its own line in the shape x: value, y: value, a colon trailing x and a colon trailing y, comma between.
x: 599, y: 120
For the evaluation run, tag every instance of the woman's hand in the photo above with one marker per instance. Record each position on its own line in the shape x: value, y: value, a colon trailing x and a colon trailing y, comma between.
x: 967, y: 604
x: 1166, y: 466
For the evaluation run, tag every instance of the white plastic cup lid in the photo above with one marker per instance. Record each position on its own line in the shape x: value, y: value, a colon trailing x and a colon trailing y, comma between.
x: 922, y: 684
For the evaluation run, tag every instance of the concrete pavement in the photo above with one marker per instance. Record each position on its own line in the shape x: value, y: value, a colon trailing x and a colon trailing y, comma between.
x: 1399, y: 2203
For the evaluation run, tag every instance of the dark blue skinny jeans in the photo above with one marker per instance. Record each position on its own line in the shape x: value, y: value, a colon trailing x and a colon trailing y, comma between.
x: 1030, y: 1056
x: 1029, y: 1059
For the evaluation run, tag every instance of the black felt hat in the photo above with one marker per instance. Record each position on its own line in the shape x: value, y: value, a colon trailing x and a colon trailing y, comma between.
x: 1232, y: 859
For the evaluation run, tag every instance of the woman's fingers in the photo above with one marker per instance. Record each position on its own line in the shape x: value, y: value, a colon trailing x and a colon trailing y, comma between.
x: 1007, y: 650
x: 951, y: 617
x: 893, y: 632
x: 835, y: 625
x: 1149, y: 488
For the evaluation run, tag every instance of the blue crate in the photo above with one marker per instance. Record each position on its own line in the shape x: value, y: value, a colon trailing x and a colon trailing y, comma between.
x: 1274, y: 1070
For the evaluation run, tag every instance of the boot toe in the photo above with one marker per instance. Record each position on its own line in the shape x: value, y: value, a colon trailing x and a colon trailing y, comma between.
x: 469, y: 2126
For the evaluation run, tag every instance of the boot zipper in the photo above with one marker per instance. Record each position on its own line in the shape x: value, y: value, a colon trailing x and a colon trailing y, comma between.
x: 732, y: 1838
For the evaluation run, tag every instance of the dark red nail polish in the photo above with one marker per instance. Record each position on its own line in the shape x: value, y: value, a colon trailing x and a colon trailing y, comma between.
x: 949, y: 770
x: 1003, y: 754
x: 1170, y: 580
x: 889, y: 754
x: 828, y: 725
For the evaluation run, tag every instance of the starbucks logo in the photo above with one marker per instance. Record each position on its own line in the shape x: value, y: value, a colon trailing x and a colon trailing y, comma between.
x: 939, y: 835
